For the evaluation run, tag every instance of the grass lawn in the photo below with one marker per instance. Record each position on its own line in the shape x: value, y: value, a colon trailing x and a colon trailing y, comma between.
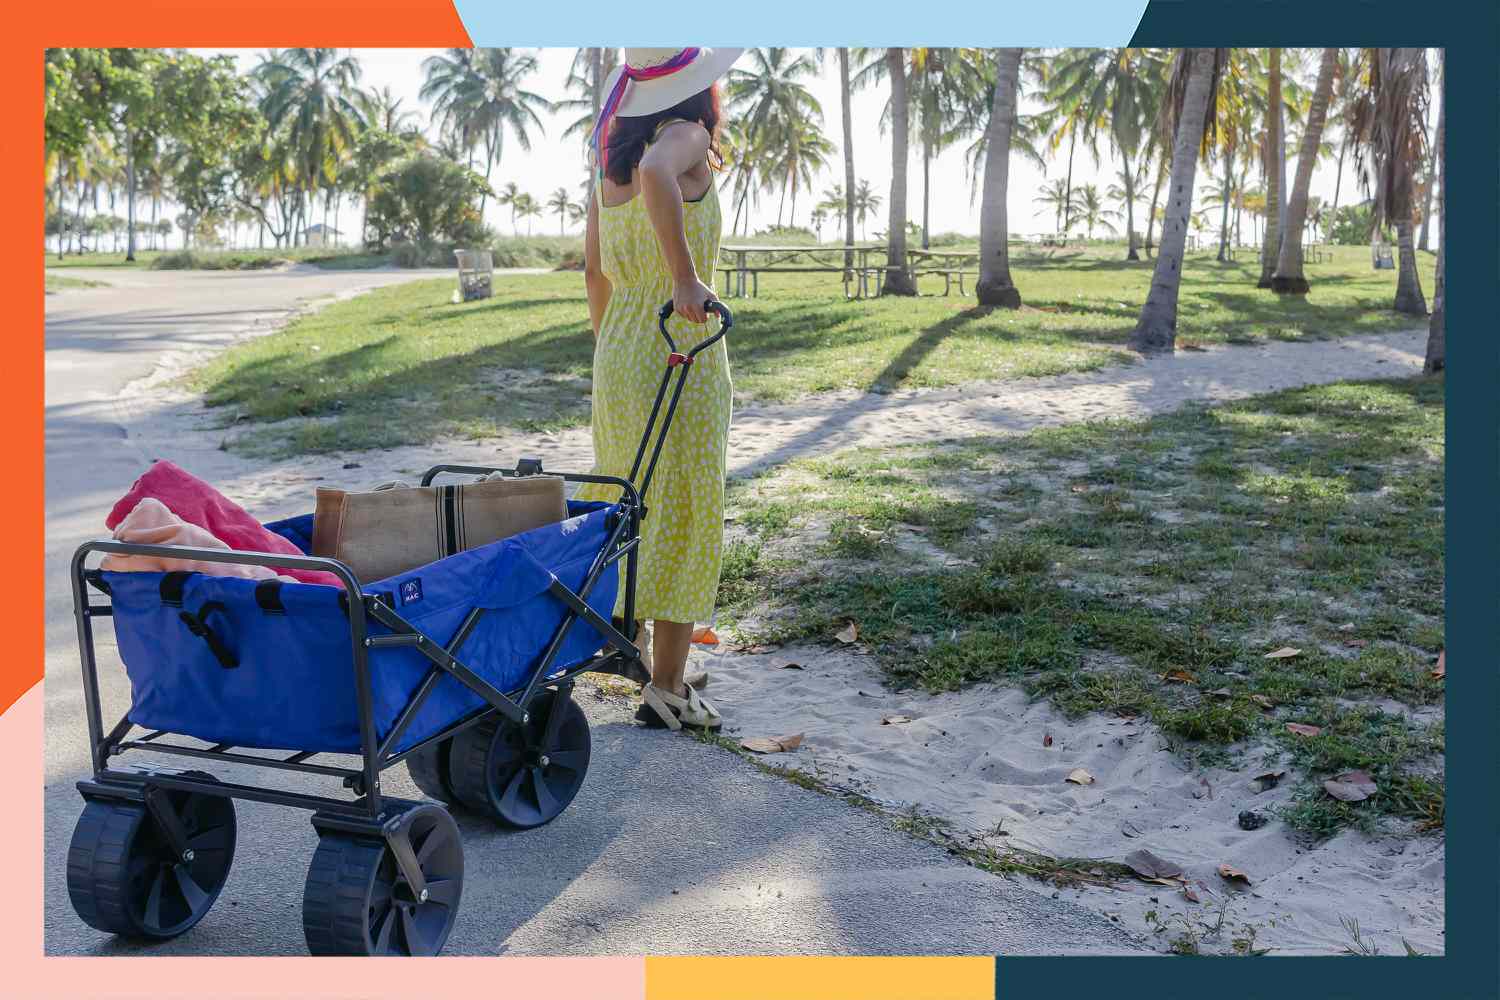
x: 1145, y: 568
x: 404, y: 365
x: 220, y: 260
x: 57, y: 282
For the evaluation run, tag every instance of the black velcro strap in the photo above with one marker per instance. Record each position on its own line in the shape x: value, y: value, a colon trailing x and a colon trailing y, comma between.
x: 198, y: 625
x: 448, y: 515
x: 344, y: 602
x: 268, y: 596
x: 95, y: 579
x: 172, y: 585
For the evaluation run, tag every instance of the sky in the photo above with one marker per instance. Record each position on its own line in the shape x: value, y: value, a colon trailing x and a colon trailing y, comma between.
x: 553, y: 161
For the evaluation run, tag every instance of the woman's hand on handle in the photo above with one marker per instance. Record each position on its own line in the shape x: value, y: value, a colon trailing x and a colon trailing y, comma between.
x: 690, y: 298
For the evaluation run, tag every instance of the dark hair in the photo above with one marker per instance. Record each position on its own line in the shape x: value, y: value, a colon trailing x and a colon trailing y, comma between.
x: 628, y: 136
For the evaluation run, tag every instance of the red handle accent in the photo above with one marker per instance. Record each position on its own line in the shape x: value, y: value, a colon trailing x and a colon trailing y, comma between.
x: 674, y: 359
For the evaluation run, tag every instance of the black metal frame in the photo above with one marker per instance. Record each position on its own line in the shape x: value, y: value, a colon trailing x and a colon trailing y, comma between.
x: 369, y: 811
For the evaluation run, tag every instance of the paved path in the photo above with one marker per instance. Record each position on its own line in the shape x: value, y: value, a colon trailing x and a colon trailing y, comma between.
x: 671, y: 847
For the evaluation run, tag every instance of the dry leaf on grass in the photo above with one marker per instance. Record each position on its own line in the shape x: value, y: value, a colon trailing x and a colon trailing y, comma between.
x: 1284, y: 653
x: 1079, y: 776
x: 848, y: 634
x: 705, y: 636
x: 1302, y: 729
x: 1148, y: 866
x: 1351, y: 786
x: 1440, y: 671
x: 1266, y: 781
x: 894, y: 720
x: 1263, y: 701
x: 1047, y: 740
x: 1222, y: 693
x: 1233, y: 874
x: 1356, y: 643
x: 767, y: 744
x: 1180, y: 676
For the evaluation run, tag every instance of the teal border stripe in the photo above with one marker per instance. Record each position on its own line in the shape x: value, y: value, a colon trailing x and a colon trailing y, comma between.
x: 803, y: 22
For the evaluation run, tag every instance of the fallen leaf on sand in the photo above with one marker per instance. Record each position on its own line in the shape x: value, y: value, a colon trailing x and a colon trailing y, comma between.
x: 1079, y: 776
x: 767, y: 744
x: 848, y: 634
x: 705, y: 636
x: 1301, y: 729
x: 1149, y: 866
x: 1263, y: 701
x: 1130, y: 829
x: 1351, y: 786
x: 1233, y: 874
x: 1266, y: 781
x: 1047, y: 740
x: 1180, y: 676
x: 1440, y: 671
x: 791, y: 666
x: 894, y: 720
x: 1188, y: 893
x: 1284, y: 653
x: 1222, y: 693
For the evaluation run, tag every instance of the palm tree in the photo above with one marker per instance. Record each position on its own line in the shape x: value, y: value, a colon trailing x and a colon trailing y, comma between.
x: 799, y: 152
x: 559, y: 203
x: 1391, y: 139
x: 587, y: 75
x: 478, y: 94
x: 1061, y: 198
x: 507, y: 196
x: 772, y: 108
x: 898, y: 279
x: 527, y: 208
x: 383, y: 110
x: 1437, y: 338
x: 845, y: 97
x: 1271, y: 248
x: 995, y: 287
x: 1190, y: 93
x: 944, y: 85
x: 866, y: 203
x: 1092, y: 211
x: 313, y: 94
x: 1289, y: 278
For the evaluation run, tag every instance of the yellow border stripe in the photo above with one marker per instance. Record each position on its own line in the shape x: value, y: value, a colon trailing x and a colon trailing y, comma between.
x: 817, y: 978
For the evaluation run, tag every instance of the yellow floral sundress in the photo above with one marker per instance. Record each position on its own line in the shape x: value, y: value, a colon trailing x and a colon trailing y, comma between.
x: 682, y: 537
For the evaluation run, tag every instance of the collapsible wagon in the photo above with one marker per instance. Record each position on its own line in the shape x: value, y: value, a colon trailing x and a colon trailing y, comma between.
x: 461, y: 669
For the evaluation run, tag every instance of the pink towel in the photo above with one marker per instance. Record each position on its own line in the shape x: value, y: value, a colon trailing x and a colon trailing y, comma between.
x: 198, y: 503
x: 151, y: 523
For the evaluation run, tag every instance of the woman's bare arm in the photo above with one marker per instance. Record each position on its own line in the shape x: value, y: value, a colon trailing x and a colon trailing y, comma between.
x: 595, y: 284
x: 680, y: 147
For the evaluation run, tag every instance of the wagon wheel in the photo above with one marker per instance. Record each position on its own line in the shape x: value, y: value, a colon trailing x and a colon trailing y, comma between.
x: 428, y: 768
x: 523, y: 775
x: 125, y: 878
x: 358, y: 902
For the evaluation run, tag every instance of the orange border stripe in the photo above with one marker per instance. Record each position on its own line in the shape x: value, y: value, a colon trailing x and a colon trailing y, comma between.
x: 818, y: 978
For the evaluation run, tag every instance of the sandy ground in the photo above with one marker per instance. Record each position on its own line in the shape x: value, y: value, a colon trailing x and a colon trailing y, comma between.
x: 975, y: 757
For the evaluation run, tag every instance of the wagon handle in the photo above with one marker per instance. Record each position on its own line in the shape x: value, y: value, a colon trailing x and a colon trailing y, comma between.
x: 682, y: 362
x: 726, y: 319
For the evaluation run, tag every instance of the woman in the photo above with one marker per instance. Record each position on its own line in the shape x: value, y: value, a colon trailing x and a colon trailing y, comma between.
x: 653, y: 234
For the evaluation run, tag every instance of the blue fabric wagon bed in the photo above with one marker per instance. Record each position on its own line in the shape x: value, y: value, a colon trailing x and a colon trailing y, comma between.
x: 291, y: 683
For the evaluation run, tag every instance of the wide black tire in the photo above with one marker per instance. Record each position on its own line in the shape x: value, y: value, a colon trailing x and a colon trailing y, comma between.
x: 428, y: 768
x: 356, y: 902
x: 124, y: 879
x: 504, y: 770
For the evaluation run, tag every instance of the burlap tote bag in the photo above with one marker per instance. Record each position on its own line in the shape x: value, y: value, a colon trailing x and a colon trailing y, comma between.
x: 389, y: 531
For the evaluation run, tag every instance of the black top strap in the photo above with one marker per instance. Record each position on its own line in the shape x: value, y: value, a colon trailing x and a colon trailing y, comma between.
x: 172, y: 585
x: 268, y: 596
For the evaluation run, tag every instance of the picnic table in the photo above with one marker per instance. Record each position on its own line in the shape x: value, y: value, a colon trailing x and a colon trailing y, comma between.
x: 785, y: 260
x: 948, y: 263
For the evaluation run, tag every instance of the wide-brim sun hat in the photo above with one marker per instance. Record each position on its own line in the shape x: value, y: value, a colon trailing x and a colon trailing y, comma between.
x: 695, y: 71
x: 648, y: 81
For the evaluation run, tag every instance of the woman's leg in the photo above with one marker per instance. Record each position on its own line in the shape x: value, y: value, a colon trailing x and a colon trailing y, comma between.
x: 670, y: 642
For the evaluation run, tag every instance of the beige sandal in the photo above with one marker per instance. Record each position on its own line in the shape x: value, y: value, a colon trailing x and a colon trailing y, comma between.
x: 675, y: 712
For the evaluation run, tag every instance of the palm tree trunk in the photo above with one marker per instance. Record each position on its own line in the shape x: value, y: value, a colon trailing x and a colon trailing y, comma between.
x: 995, y: 287
x: 1156, y: 331
x: 1437, y: 341
x: 1431, y: 185
x: 897, y: 277
x: 1289, y: 278
x: 596, y: 97
x: 844, y: 92
x: 62, y: 209
x: 1338, y: 179
x: 1128, y: 177
x: 1224, y: 211
x: 1409, y: 298
x: 926, y: 189
x: 1155, y: 196
x: 1067, y: 205
x: 129, y: 195
x: 1271, y: 248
